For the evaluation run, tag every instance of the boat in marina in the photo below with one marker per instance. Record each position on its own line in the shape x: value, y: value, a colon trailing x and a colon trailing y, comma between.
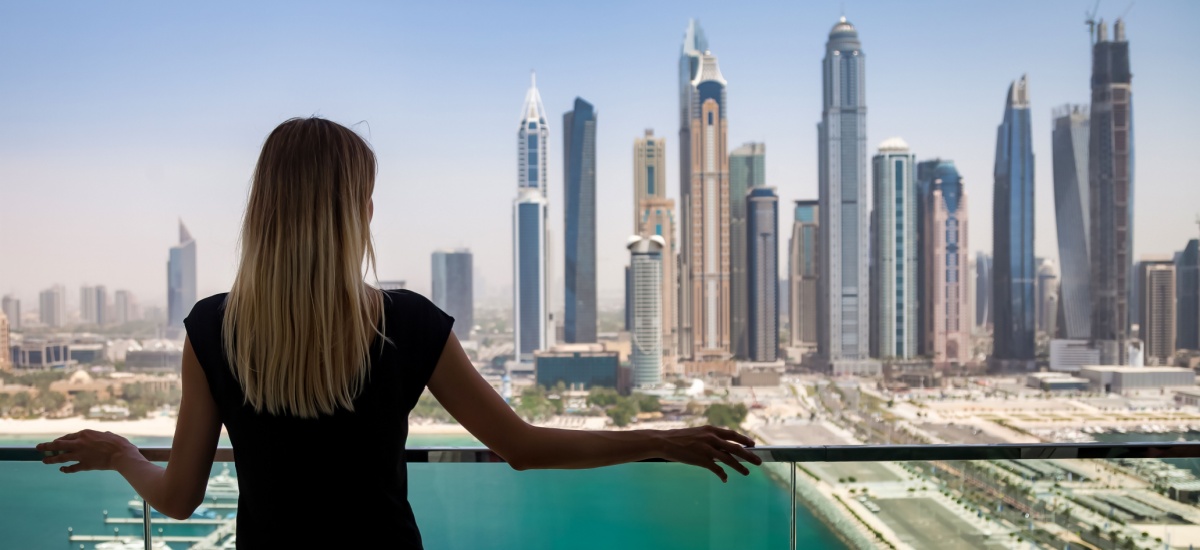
x: 222, y: 486
x: 135, y: 508
x: 130, y: 543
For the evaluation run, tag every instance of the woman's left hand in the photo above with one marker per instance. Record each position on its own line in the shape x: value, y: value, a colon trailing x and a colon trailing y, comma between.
x: 89, y: 449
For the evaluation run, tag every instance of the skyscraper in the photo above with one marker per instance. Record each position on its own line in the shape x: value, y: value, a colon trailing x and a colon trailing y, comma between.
x: 1014, y: 277
x: 803, y: 275
x: 454, y: 288
x: 747, y: 170
x: 1047, y: 295
x: 530, y: 309
x: 657, y: 218
x: 1071, y: 212
x: 708, y: 203
x: 893, y: 273
x: 649, y: 173
x: 93, y: 305
x: 52, y: 306
x: 579, y: 221
x: 646, y: 260
x: 11, y: 307
x: 1157, y: 329
x: 762, y: 261
x: 983, y: 290
x: 947, y: 260
x: 5, y: 344
x: 925, y: 176
x: 181, y: 282
x: 1110, y: 193
x: 125, y: 307
x: 694, y: 45
x: 842, y: 174
x: 1187, y: 275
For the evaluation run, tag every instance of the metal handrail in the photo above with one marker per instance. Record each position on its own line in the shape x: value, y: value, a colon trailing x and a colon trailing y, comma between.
x: 787, y: 453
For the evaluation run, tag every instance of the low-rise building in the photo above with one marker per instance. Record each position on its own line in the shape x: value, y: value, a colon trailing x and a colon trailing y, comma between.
x: 1072, y: 355
x: 1113, y: 379
x: 42, y: 354
x: 581, y: 366
x: 1188, y: 397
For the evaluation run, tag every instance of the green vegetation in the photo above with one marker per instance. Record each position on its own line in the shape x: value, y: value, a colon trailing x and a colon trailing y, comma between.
x: 535, y: 404
x: 723, y: 414
x: 622, y: 410
x: 428, y: 407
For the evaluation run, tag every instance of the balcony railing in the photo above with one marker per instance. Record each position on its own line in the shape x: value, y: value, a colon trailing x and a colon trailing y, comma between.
x: 1081, y: 495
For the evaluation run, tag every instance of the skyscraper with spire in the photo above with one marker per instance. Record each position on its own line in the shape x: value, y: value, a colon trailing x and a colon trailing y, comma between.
x: 181, y: 282
x: 530, y: 308
x: 707, y: 225
x: 695, y: 43
x: 1110, y: 193
x: 1014, y: 268
x: 842, y: 174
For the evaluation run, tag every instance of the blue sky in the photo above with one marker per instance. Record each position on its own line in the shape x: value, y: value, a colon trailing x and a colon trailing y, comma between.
x: 117, y: 119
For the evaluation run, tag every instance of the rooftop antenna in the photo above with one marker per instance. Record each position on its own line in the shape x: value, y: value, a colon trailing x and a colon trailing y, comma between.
x: 1090, y: 21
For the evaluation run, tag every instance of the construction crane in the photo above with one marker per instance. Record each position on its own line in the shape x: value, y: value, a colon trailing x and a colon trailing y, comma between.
x: 1090, y: 21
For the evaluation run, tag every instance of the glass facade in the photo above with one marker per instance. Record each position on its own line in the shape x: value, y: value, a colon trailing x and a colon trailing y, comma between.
x: 893, y: 271
x: 579, y: 221
x: 453, y: 288
x: 1187, y: 272
x: 747, y: 171
x: 530, y: 275
x: 1071, y: 213
x: 762, y: 260
x: 181, y: 281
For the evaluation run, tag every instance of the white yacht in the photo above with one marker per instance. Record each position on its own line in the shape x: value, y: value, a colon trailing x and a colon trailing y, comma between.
x: 130, y: 543
x: 222, y: 487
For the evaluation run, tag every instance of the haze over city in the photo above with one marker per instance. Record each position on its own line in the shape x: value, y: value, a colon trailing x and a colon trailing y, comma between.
x: 121, y: 120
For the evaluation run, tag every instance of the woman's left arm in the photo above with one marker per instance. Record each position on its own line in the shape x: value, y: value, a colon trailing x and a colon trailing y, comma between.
x: 176, y: 490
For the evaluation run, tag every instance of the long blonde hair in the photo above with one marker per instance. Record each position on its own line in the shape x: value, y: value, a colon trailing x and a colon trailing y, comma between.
x: 300, y: 319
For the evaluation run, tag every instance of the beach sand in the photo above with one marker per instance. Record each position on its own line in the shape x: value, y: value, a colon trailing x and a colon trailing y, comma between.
x: 161, y: 426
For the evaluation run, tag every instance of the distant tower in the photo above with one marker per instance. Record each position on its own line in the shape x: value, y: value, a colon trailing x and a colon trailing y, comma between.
x: 1071, y: 213
x: 11, y: 307
x: 93, y: 305
x: 646, y: 260
x: 893, y: 273
x: 803, y: 274
x: 1187, y: 278
x: 1014, y: 271
x: 1157, y: 329
x: 707, y: 201
x: 125, y: 307
x: 1047, y: 295
x: 947, y: 258
x: 531, y: 318
x: 842, y: 175
x: 762, y: 260
x: 181, y: 282
x: 5, y: 344
x: 1110, y: 193
x: 579, y: 221
x: 747, y: 171
x: 649, y: 173
x: 52, y: 306
x: 983, y: 290
x: 454, y: 288
x: 657, y: 218
x: 694, y: 46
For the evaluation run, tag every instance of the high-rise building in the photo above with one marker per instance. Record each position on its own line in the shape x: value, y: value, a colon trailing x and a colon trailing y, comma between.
x: 804, y: 269
x: 842, y: 174
x: 893, y: 273
x: 694, y: 46
x: 531, y: 314
x: 707, y: 202
x: 579, y: 221
x: 947, y: 260
x: 1014, y: 271
x: 649, y: 173
x: 657, y: 218
x: 93, y: 305
x: 925, y: 170
x: 1157, y: 329
x: 5, y: 344
x: 1047, y: 295
x: 1071, y: 212
x: 393, y: 285
x: 125, y: 307
x: 181, y: 282
x: 454, y: 288
x: 646, y: 261
x: 747, y: 171
x: 52, y: 306
x: 1110, y: 193
x: 762, y: 261
x: 11, y: 307
x: 983, y: 290
x: 1187, y: 277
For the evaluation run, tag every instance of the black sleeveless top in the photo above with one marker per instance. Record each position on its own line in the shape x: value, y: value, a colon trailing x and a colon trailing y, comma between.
x: 337, y: 481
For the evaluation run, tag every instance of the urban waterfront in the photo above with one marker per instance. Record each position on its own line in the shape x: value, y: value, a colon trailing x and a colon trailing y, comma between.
x: 468, y: 506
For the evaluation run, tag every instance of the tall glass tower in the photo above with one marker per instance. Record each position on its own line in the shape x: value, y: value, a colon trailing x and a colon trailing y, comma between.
x: 747, y: 171
x: 1014, y: 268
x: 842, y: 173
x: 530, y: 310
x: 1071, y: 212
x: 1110, y: 197
x: 804, y: 274
x: 579, y: 221
x: 453, y: 288
x: 762, y: 261
x: 646, y: 259
x: 1187, y: 284
x: 181, y: 282
x: 894, y: 252
x: 694, y: 45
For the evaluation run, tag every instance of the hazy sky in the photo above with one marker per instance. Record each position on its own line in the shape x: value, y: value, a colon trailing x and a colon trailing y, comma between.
x: 118, y: 119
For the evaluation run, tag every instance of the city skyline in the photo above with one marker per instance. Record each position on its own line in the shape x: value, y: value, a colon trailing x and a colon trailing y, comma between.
x: 217, y: 160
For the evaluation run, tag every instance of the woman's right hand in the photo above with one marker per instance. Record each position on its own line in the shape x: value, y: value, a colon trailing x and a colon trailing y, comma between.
x: 705, y: 446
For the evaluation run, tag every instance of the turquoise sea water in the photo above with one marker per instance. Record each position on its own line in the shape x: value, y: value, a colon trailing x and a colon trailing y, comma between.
x: 471, y: 506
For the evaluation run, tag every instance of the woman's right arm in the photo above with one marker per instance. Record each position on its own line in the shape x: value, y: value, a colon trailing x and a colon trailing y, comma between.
x: 476, y: 405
